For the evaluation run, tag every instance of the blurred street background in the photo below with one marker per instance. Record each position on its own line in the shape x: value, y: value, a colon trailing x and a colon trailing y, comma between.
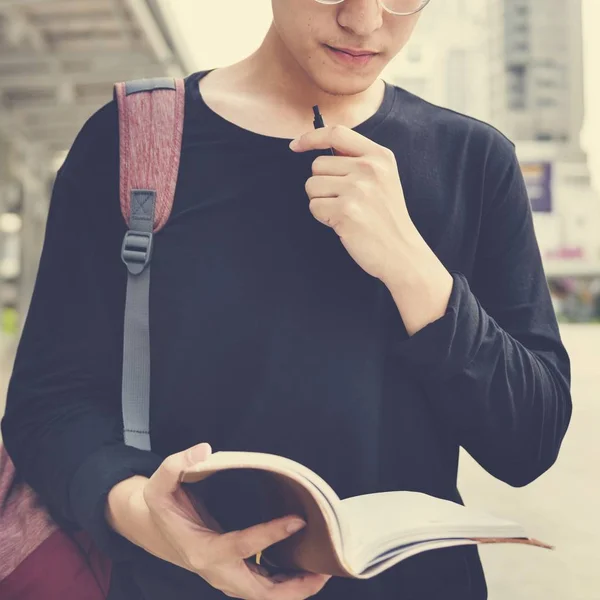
x: 528, y: 67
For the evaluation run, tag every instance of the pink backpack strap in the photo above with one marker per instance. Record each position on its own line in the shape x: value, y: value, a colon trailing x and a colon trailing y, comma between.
x: 150, y: 132
x: 151, y: 115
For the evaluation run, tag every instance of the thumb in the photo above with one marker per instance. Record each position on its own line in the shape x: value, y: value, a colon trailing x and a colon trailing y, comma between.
x: 166, y: 479
x: 198, y: 453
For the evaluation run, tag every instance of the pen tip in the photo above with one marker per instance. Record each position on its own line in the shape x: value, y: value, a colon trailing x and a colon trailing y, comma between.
x: 316, y: 110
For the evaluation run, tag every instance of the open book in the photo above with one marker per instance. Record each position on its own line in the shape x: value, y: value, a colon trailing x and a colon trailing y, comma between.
x: 356, y: 537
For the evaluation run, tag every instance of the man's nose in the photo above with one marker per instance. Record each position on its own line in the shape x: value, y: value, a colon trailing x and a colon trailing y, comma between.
x: 362, y: 17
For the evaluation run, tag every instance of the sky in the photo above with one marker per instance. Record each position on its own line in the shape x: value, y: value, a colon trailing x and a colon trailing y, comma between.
x: 246, y: 22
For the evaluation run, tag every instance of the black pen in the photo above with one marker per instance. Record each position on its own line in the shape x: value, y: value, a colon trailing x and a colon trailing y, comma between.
x: 318, y: 123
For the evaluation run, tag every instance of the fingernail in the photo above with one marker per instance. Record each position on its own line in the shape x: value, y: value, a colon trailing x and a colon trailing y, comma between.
x: 294, y: 526
x: 198, y: 453
x: 294, y: 144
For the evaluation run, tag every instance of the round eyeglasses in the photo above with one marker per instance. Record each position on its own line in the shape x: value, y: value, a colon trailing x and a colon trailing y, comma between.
x: 400, y: 8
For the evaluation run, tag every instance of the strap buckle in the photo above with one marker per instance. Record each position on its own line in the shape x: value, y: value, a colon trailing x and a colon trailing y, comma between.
x: 136, y: 251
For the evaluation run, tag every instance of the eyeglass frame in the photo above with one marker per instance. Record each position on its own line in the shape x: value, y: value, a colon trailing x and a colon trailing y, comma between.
x: 396, y: 14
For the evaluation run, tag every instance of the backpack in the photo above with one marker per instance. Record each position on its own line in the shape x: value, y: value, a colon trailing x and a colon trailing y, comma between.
x: 38, y: 559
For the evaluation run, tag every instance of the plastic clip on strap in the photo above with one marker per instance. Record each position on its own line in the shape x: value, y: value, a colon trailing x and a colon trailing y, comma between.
x: 136, y: 251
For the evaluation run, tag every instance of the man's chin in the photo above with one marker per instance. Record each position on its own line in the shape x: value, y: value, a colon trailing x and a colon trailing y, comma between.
x: 340, y: 85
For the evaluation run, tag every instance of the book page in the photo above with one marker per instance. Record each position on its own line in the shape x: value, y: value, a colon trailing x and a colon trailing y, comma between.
x: 377, y: 523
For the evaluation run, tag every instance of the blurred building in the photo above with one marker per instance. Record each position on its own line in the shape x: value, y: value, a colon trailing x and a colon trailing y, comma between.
x: 445, y: 61
x: 518, y: 65
x: 59, y: 60
x: 536, y: 71
x: 535, y: 54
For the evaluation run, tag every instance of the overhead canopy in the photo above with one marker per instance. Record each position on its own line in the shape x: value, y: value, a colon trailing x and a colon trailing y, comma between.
x: 60, y: 58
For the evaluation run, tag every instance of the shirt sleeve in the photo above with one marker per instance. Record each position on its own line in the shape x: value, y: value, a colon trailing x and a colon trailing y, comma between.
x: 494, y: 365
x: 63, y: 423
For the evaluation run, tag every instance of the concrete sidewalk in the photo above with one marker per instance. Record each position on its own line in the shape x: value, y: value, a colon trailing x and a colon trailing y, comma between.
x: 560, y: 508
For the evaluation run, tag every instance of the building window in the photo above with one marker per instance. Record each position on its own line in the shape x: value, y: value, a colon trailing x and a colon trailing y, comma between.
x: 520, y: 46
x: 545, y: 62
x: 516, y: 103
x: 522, y: 9
x: 517, y: 86
x: 545, y: 102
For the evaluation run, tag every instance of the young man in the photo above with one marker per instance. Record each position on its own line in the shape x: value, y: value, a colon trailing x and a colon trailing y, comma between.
x: 365, y: 314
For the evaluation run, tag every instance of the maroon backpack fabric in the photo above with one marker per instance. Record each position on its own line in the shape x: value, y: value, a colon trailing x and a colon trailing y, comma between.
x: 39, y: 560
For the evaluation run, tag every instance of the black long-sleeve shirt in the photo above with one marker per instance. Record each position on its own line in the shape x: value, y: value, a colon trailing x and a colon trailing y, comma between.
x: 267, y: 336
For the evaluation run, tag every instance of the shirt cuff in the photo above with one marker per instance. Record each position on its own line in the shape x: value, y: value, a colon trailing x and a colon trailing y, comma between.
x: 89, y: 490
x: 445, y: 347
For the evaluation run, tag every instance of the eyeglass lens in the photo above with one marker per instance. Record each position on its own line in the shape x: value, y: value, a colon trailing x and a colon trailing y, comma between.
x: 401, y: 7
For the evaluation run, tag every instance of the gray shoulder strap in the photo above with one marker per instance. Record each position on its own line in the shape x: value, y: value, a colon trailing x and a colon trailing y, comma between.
x: 136, y: 254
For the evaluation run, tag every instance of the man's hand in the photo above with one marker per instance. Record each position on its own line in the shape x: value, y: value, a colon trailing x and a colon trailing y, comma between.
x: 158, y: 515
x: 358, y: 193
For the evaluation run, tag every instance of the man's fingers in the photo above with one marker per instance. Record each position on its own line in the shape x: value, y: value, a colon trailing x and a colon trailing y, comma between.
x: 333, y: 165
x: 342, y: 139
x: 220, y: 558
x: 248, y: 542
x: 289, y: 587
x: 297, y: 588
x: 167, y: 477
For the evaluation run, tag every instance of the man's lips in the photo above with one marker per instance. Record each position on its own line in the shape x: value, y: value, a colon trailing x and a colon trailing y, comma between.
x: 353, y: 52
